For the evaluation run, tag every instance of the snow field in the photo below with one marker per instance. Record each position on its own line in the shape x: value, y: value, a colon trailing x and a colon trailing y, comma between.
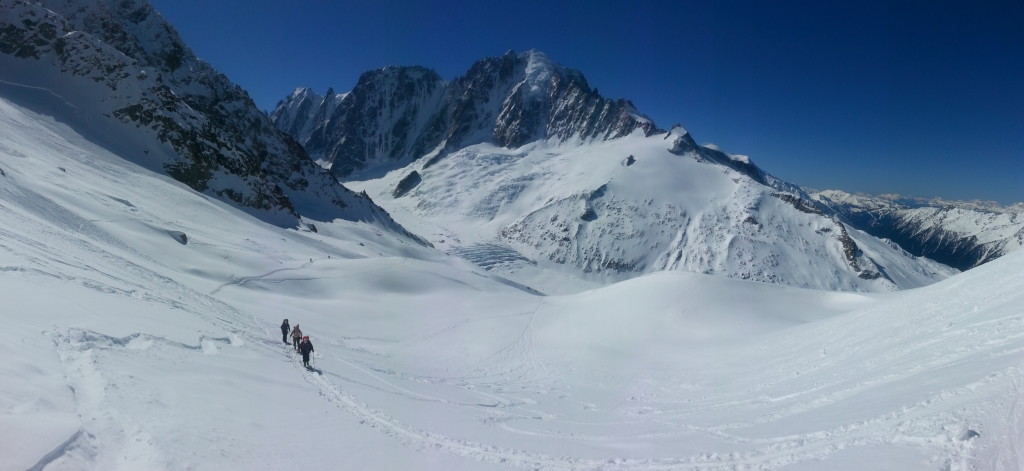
x: 126, y: 349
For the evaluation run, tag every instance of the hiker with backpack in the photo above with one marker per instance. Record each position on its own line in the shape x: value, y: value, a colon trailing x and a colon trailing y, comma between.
x: 284, y: 331
x: 306, y: 347
x: 296, y: 336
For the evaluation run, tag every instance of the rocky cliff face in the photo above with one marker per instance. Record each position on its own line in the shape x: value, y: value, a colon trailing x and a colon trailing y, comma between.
x: 128, y: 78
x: 398, y: 114
x: 962, y: 235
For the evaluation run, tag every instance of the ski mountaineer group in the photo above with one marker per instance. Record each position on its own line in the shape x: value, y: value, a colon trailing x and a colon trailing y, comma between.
x: 300, y: 343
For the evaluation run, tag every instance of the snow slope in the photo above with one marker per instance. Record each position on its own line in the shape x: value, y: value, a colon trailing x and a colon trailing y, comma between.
x: 118, y: 73
x: 606, y: 211
x: 128, y: 346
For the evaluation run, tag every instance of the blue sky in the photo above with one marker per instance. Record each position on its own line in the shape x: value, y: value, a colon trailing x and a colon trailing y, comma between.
x: 924, y: 98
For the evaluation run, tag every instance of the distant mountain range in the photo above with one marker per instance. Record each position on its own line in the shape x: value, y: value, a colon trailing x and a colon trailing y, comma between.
x: 397, y: 114
x: 960, y: 234
x: 518, y: 165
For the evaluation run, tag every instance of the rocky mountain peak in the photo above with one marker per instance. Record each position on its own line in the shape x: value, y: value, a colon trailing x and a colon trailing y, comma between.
x: 682, y: 141
x: 412, y: 73
x: 294, y: 113
x: 394, y: 87
x: 398, y: 114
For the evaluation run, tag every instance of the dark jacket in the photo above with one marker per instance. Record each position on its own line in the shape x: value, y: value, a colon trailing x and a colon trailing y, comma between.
x: 306, y: 347
x: 285, y: 327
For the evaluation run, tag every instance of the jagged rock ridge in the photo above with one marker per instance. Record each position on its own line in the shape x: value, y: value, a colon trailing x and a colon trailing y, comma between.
x: 397, y: 114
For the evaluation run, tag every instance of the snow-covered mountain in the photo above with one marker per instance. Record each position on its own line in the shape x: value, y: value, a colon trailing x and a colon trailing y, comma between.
x: 119, y: 73
x: 610, y: 210
x: 520, y: 166
x: 395, y: 115
x: 141, y: 333
x: 141, y: 316
x: 957, y: 233
x: 303, y: 110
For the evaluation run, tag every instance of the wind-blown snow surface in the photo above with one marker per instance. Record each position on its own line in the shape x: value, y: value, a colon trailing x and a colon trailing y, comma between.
x: 129, y: 346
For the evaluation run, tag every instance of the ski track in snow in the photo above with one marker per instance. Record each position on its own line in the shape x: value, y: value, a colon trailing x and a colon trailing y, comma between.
x: 111, y: 438
x: 124, y: 441
x: 775, y: 454
x: 1012, y: 456
x: 262, y: 278
x: 239, y: 281
x: 81, y: 352
x: 769, y: 453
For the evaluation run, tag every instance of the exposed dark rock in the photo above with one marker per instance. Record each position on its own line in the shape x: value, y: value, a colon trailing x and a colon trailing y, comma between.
x: 683, y: 142
x: 588, y: 214
x: 799, y: 203
x: 933, y: 242
x: 969, y: 435
x: 179, y: 236
x: 406, y: 184
x: 869, y: 275
x: 851, y: 252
